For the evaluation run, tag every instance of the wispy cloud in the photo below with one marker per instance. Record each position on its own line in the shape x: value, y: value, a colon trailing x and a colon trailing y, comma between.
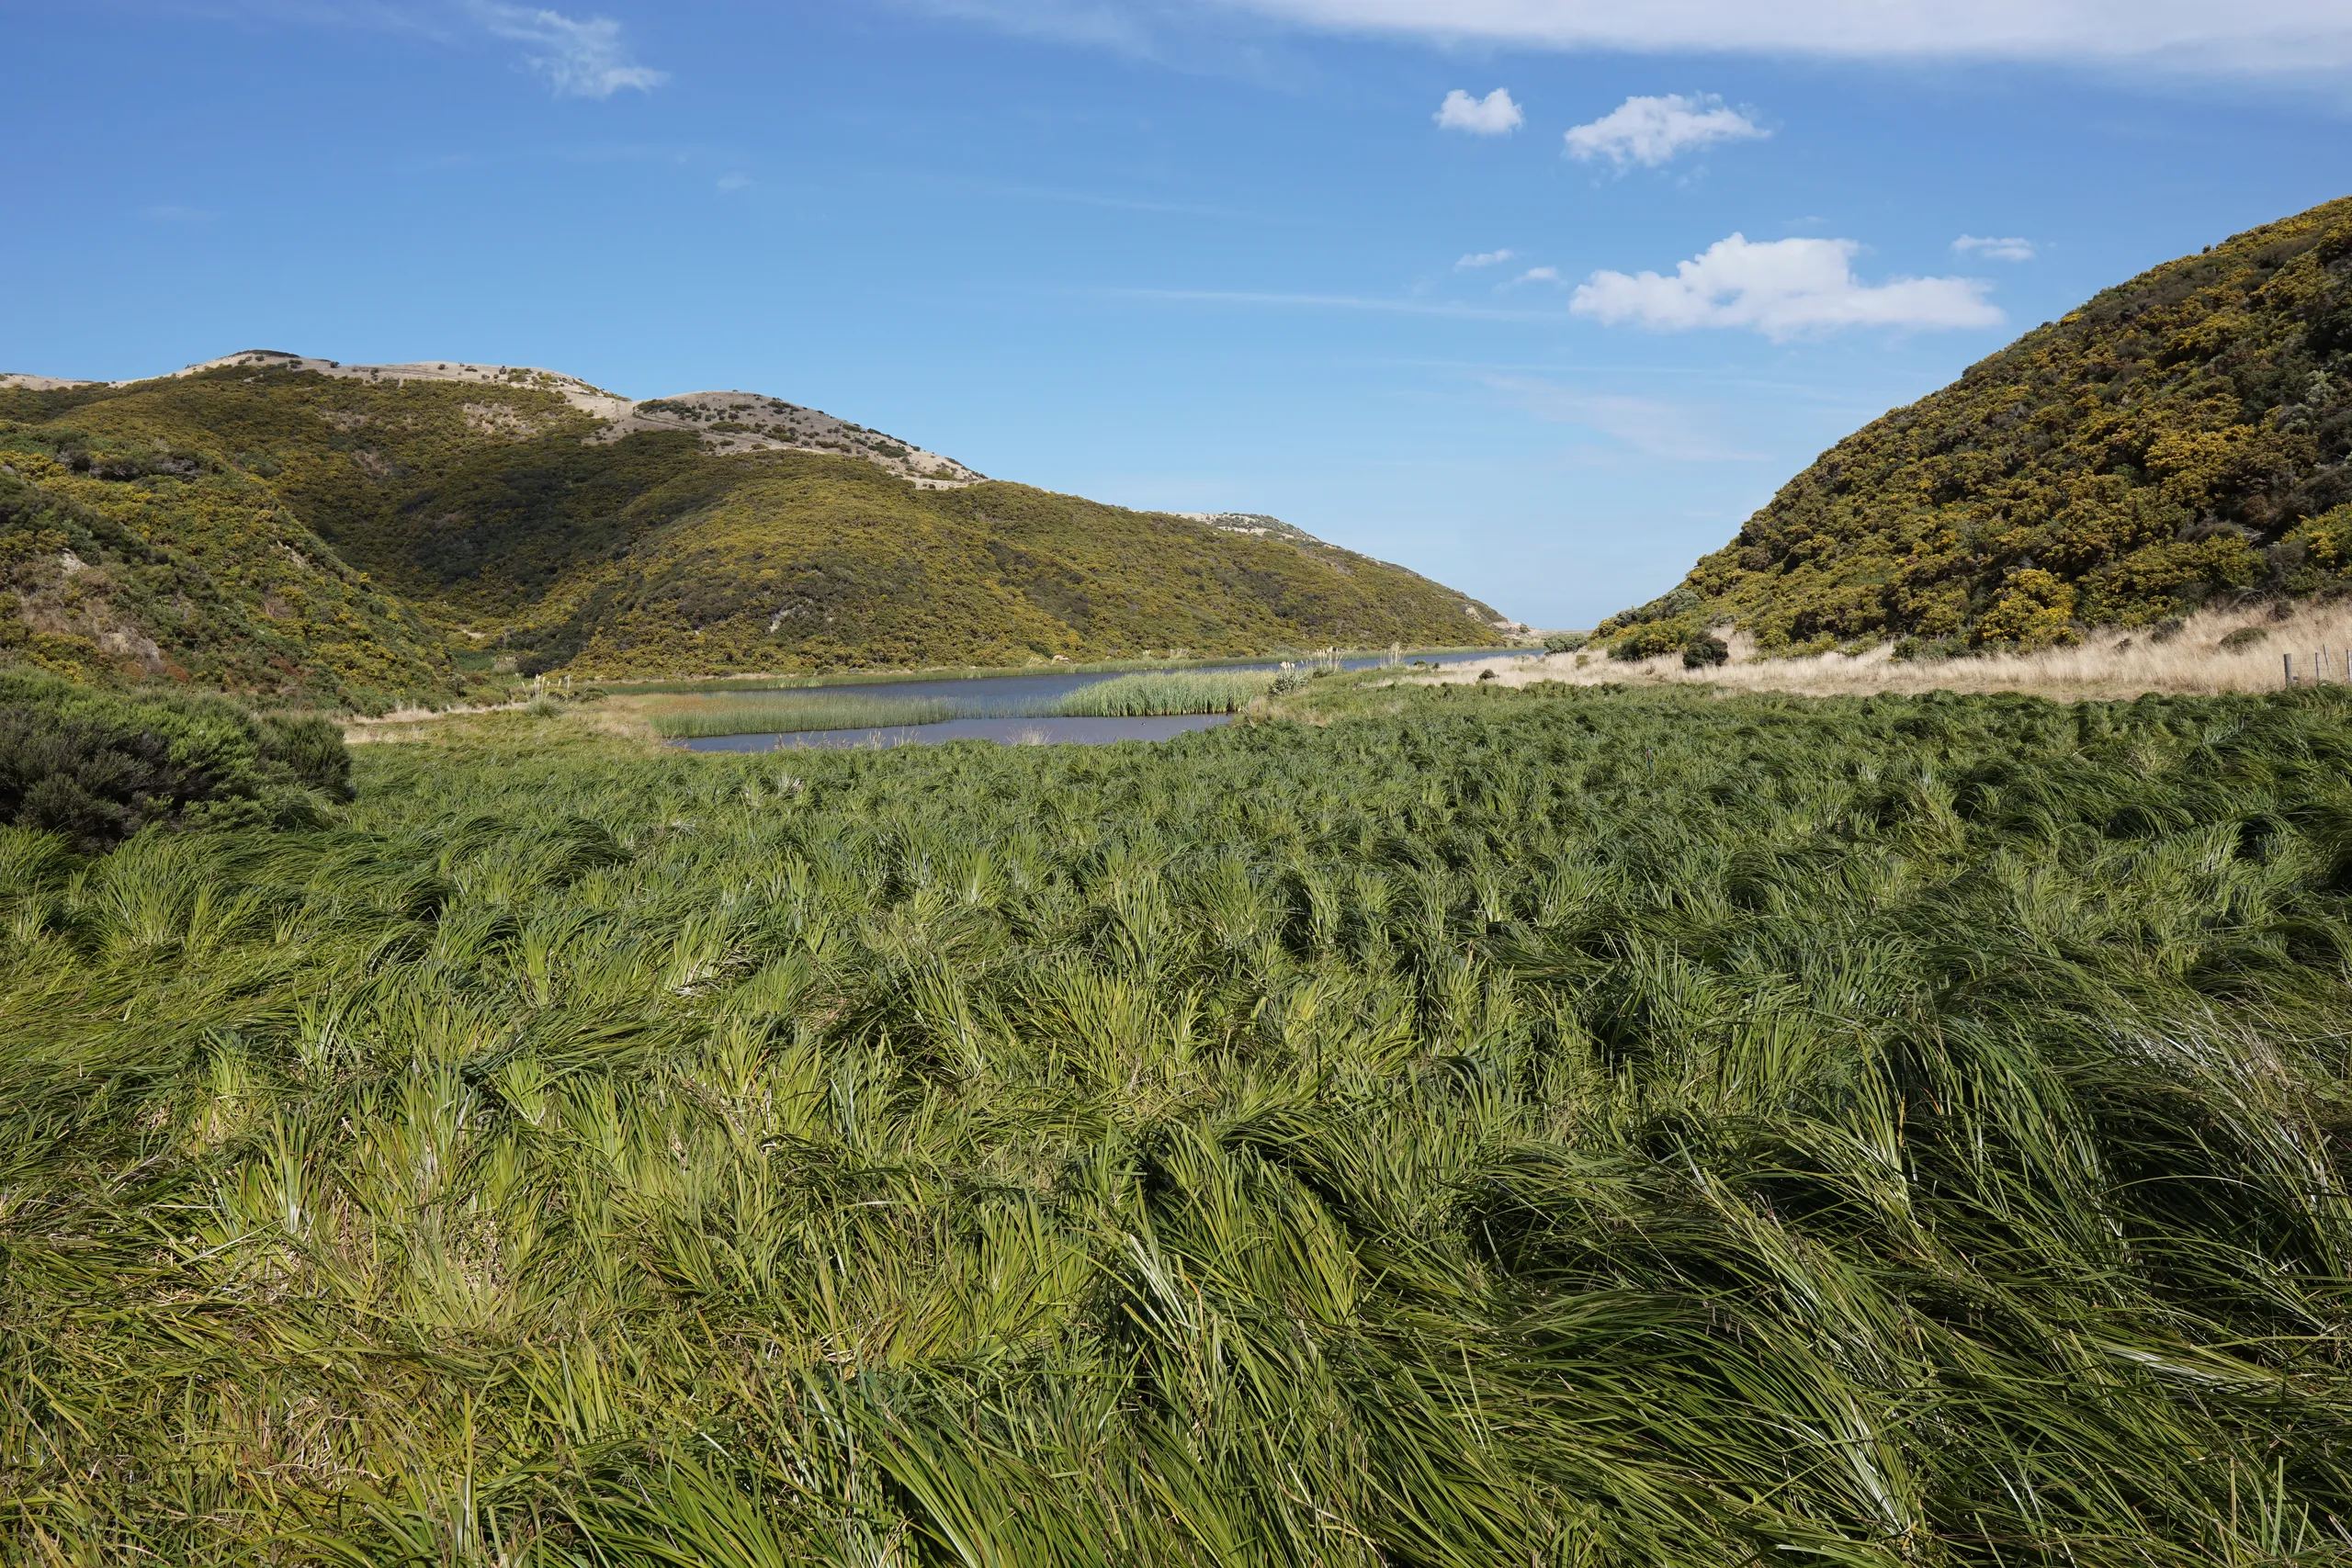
x: 1648, y: 426
x: 2184, y: 38
x: 2012, y: 250
x: 2295, y: 37
x: 579, y: 57
x: 734, y: 182
x: 1485, y: 258
x: 1372, y: 303
x: 1651, y: 131
x: 1783, y: 288
x: 1133, y: 204
x: 173, y: 212
x: 1541, y: 275
x: 1494, y: 115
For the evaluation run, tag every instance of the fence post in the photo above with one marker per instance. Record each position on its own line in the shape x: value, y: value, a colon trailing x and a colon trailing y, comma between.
x: 2289, y: 660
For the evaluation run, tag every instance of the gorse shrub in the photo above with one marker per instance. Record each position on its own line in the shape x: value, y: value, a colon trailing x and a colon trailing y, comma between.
x: 95, y: 766
x: 1705, y: 653
x: 1479, y: 1127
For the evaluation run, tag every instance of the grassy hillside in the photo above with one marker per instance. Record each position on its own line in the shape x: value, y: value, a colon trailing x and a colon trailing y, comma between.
x: 1579, y: 1130
x: 535, y: 528
x: 2180, y: 437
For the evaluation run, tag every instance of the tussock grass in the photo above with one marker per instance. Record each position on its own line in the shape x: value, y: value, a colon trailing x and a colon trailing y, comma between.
x: 1583, y: 1128
x: 2109, y: 663
x: 785, y: 713
x: 1149, y: 696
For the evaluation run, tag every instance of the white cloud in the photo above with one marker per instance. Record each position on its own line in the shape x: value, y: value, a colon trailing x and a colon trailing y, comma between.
x: 579, y: 58
x: 1493, y: 114
x: 1541, y: 275
x: 1649, y: 131
x: 1783, y: 288
x: 2196, y: 36
x: 1485, y: 258
x: 2014, y: 250
x: 733, y: 181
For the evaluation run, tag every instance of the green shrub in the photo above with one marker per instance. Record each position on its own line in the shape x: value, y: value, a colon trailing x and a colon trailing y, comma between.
x: 1705, y: 653
x: 1565, y: 642
x: 96, y: 767
x: 2245, y: 637
x: 1647, y: 639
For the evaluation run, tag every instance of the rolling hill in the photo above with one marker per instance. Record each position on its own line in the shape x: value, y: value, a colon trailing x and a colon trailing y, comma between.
x: 2181, y: 436
x: 358, y: 534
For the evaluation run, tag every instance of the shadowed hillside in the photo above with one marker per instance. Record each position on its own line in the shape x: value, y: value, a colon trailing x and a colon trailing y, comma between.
x: 2180, y: 438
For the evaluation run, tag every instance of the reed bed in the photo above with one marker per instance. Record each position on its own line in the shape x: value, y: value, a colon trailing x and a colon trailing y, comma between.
x: 1580, y: 1129
x: 1155, y: 695
x: 785, y: 713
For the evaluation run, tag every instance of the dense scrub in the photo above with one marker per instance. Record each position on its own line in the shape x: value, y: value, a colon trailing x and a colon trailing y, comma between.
x: 129, y: 560
x: 93, y: 767
x: 2180, y: 436
x: 500, y: 511
x: 1516, y: 1128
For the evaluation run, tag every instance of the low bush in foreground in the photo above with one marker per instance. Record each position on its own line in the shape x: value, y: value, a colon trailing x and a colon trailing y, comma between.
x: 96, y: 766
x: 1576, y: 1129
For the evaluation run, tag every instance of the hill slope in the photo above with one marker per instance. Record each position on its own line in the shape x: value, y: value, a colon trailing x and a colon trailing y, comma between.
x: 2180, y: 436
x: 490, y: 509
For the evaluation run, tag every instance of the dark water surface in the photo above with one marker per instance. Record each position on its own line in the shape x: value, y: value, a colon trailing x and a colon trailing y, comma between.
x: 1006, y: 732
x: 994, y: 694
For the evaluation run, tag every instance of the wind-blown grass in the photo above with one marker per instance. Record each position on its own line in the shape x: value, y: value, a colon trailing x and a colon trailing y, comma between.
x: 785, y: 713
x: 1584, y: 1129
x: 1149, y: 696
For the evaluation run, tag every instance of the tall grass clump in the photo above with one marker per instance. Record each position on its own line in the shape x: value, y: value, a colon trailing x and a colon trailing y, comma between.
x: 1154, y: 695
x: 783, y: 713
x: 1484, y: 1127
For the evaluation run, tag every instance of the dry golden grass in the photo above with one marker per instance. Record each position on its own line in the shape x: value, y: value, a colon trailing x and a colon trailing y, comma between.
x: 2107, y: 663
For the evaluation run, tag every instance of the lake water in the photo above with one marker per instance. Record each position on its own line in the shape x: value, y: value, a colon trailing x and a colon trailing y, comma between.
x: 994, y: 694
x: 1005, y: 731
x: 985, y: 694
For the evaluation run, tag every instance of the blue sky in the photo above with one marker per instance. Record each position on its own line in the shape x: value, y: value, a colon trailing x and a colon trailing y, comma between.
x: 1199, y: 254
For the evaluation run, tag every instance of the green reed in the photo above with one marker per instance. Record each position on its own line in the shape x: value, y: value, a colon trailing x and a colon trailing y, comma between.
x: 1153, y: 695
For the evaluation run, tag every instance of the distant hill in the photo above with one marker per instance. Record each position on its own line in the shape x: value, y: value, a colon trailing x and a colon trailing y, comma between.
x: 356, y: 534
x: 2181, y: 436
